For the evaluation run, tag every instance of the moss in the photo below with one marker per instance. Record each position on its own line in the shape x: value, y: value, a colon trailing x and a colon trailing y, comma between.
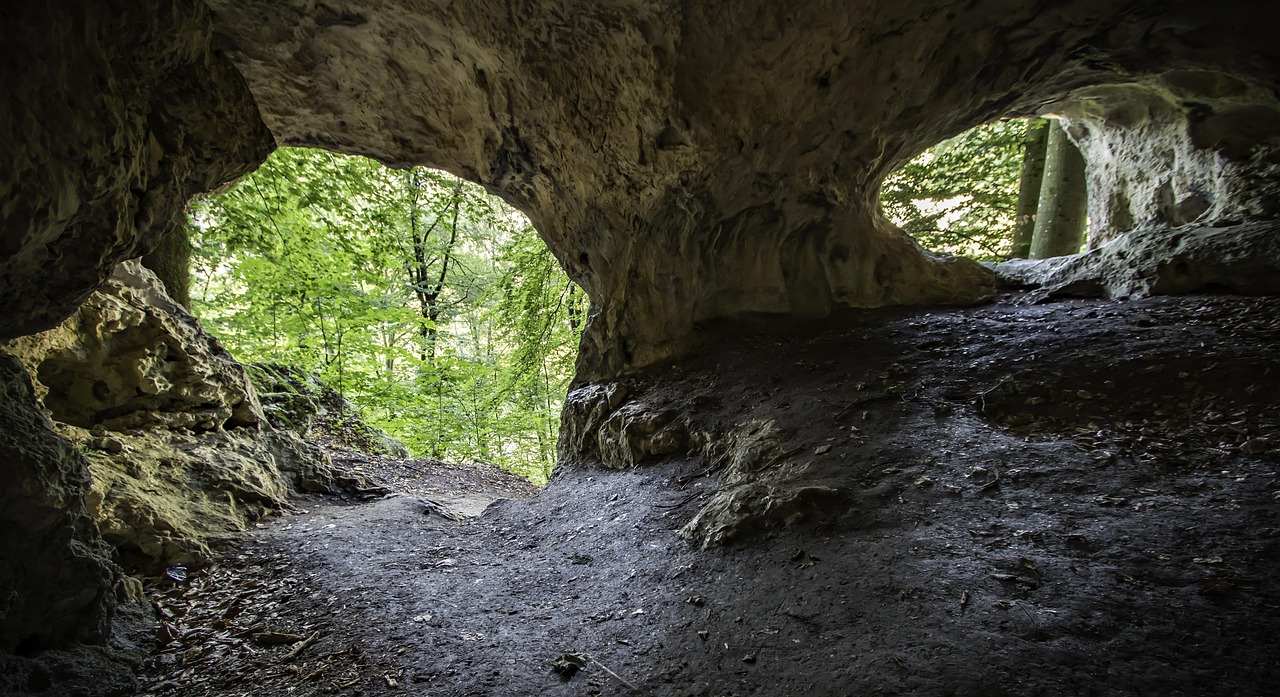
x: 296, y: 401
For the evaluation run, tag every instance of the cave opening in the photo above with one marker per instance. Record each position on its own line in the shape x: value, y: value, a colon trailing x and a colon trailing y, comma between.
x: 423, y: 315
x: 1008, y: 189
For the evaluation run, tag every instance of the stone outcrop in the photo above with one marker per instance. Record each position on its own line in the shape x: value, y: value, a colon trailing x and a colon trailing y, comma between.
x: 692, y: 161
x: 180, y: 454
x: 676, y: 179
x: 1242, y: 258
x: 762, y: 484
x: 57, y: 581
x: 1181, y: 147
x: 114, y: 113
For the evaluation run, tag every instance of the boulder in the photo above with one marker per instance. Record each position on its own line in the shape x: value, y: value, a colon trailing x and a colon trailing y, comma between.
x: 180, y: 454
x: 58, y: 584
x: 1242, y: 258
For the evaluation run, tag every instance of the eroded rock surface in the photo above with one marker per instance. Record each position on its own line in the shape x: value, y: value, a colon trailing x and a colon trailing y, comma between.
x: 686, y: 161
x: 696, y: 161
x: 114, y: 114
x: 180, y: 452
x: 57, y: 580
x: 1241, y: 258
x: 1183, y: 147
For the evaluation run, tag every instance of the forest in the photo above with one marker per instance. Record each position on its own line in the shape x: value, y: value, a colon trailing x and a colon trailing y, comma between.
x: 427, y: 302
x: 435, y: 308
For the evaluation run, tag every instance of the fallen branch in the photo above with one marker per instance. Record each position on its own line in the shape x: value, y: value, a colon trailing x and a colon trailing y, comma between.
x: 681, y: 502
x: 863, y: 400
x: 617, y: 677
x: 300, y: 647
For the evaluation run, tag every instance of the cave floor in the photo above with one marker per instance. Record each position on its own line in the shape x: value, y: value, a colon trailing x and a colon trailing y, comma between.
x: 1078, y: 497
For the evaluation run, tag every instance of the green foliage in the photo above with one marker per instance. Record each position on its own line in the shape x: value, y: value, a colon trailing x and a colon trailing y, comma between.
x: 427, y: 302
x: 960, y: 196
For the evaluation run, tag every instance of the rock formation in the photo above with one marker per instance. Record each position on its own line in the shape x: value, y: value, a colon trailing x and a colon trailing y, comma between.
x: 1182, y: 147
x: 1243, y: 258
x: 179, y: 453
x: 686, y: 161
x: 694, y: 161
x: 114, y: 114
x: 57, y: 580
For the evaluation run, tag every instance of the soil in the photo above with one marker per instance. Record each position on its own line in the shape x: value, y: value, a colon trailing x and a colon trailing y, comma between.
x: 1071, y: 498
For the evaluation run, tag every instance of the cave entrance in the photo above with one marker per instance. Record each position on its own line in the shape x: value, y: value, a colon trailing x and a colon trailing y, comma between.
x: 404, y: 312
x: 1007, y: 189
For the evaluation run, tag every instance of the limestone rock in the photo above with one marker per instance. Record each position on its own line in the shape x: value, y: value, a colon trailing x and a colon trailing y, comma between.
x: 1241, y: 258
x: 114, y: 114
x: 677, y: 181
x: 635, y: 433
x: 600, y: 426
x: 180, y: 453
x: 736, y: 513
x: 1178, y: 148
x: 762, y: 487
x: 57, y: 582
x: 586, y: 408
x: 680, y: 182
x: 174, y: 497
x: 132, y: 358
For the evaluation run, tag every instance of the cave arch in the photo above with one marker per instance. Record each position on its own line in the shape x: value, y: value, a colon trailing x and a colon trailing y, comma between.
x: 685, y: 161
x: 637, y: 135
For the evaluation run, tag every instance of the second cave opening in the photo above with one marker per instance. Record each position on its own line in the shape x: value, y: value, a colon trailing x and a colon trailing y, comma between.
x: 1006, y: 189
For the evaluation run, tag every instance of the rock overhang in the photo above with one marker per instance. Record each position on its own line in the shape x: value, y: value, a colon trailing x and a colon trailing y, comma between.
x: 697, y: 161
x: 684, y: 161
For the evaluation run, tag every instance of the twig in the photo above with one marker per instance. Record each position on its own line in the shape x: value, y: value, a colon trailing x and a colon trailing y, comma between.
x: 861, y: 401
x: 995, y: 481
x: 681, y: 502
x: 1034, y: 621
x: 617, y: 677
x: 305, y: 643
x: 710, y: 468
x: 794, y: 451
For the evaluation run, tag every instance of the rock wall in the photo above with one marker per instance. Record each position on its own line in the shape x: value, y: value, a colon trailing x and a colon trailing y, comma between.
x: 113, y: 114
x: 179, y: 453
x: 1182, y: 147
x: 691, y: 161
x: 1239, y: 258
x: 686, y: 161
x: 57, y: 580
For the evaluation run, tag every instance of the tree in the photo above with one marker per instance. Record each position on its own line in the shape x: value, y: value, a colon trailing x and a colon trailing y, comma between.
x: 1034, y: 143
x: 1063, y: 205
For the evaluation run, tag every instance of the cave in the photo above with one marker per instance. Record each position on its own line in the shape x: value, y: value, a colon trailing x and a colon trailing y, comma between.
x: 709, y: 174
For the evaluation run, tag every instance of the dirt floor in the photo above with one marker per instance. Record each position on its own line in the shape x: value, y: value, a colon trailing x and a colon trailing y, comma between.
x: 1072, y: 498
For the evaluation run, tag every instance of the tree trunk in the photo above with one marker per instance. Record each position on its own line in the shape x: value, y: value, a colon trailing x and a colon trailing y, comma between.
x: 1064, y: 199
x: 1033, y: 151
x: 170, y: 261
x: 428, y: 291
